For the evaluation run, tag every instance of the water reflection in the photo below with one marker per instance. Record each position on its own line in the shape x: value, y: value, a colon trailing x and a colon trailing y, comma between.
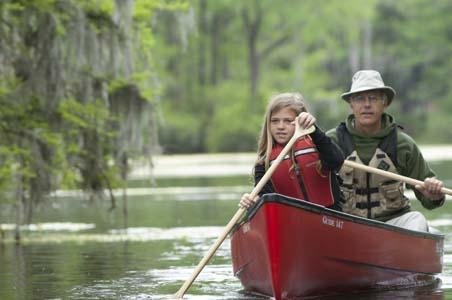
x: 55, y: 232
x: 59, y: 226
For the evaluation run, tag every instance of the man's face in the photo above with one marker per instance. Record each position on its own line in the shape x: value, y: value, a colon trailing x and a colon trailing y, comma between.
x: 368, y: 107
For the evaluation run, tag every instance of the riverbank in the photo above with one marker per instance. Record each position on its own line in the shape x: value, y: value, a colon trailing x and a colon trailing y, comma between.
x: 214, y: 165
x: 231, y: 164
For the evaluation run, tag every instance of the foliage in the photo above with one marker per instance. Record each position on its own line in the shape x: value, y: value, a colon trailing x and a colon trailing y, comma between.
x: 179, y: 133
x: 85, y: 84
x: 27, y: 155
x: 82, y: 153
x: 262, y: 47
x: 232, y: 127
x: 413, y: 43
x: 77, y: 94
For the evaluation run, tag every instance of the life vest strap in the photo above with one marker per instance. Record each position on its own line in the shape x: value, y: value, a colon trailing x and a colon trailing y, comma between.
x: 365, y: 205
x: 365, y: 191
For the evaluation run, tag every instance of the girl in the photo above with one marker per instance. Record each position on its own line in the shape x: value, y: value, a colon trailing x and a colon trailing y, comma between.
x: 308, y: 172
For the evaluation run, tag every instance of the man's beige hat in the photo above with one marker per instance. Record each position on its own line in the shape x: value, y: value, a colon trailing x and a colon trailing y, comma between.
x: 366, y: 80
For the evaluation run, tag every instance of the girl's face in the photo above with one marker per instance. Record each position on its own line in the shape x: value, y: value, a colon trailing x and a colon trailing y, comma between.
x: 282, y: 127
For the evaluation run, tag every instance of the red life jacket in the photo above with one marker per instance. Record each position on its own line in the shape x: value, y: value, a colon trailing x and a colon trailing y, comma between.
x: 307, y: 180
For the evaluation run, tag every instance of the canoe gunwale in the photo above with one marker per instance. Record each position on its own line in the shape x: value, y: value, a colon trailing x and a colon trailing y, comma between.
x: 318, y: 209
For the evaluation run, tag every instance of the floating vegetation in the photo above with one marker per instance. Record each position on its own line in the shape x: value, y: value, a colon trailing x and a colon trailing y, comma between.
x: 43, y: 233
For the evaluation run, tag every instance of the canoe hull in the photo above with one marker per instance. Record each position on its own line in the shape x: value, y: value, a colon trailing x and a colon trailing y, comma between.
x: 291, y: 248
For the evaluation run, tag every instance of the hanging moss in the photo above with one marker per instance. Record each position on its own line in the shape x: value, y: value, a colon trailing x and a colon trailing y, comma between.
x: 60, y: 117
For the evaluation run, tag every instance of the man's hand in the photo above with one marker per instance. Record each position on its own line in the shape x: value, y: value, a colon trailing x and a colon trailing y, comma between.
x: 431, y: 189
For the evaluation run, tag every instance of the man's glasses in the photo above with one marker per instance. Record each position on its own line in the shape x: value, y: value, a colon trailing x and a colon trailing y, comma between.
x: 373, y: 97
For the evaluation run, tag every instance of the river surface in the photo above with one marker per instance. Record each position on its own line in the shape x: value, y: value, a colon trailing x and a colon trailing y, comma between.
x: 79, y: 249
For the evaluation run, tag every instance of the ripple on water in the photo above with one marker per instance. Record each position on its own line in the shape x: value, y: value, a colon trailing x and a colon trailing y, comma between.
x: 174, y: 233
x: 214, y: 282
x: 71, y: 232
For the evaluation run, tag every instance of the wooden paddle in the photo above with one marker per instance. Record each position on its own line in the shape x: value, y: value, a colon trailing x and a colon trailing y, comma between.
x: 391, y: 175
x: 299, y: 132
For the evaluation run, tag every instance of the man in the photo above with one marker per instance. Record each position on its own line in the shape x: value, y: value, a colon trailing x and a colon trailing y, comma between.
x: 370, y: 136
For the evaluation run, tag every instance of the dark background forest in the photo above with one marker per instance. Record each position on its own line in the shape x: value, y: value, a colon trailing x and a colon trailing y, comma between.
x: 88, y: 86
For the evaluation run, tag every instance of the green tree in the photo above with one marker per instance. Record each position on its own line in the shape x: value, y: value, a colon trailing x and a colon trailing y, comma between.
x: 228, y: 53
x: 78, y: 92
x: 413, y: 45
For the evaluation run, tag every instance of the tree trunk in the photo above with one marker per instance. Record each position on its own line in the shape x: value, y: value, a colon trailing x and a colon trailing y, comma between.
x: 367, y: 45
x: 215, y: 40
x: 252, y: 28
x: 124, y: 168
x: 353, y: 58
x: 201, y: 42
x: 19, y: 207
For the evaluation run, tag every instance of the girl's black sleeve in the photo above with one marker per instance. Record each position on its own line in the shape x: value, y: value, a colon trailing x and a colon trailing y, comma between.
x: 330, y: 154
x: 259, y: 171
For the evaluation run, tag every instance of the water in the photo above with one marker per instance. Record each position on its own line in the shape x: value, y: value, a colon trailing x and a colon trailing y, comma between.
x: 77, y: 249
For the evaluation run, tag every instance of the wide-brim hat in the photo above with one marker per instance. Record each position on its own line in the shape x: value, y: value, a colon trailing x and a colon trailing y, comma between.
x: 367, y: 80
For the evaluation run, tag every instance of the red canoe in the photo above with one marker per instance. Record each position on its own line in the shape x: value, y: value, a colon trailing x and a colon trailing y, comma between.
x: 288, y: 248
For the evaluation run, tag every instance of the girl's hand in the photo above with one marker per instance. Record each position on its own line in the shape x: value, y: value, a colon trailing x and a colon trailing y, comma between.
x: 305, y: 120
x: 246, y: 201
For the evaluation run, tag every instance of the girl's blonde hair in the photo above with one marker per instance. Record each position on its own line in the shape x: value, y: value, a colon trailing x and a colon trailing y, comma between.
x: 293, y: 101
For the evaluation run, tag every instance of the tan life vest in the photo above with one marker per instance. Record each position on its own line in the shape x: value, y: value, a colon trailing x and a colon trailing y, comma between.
x: 370, y: 195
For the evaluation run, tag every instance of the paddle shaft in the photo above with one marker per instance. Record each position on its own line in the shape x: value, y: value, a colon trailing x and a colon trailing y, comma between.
x: 391, y: 175
x: 238, y: 215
